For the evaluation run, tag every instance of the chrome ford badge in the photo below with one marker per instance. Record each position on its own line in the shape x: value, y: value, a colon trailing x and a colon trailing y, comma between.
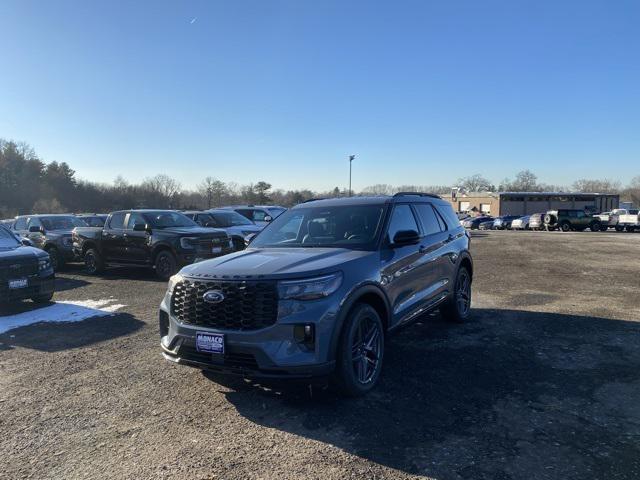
x: 213, y: 296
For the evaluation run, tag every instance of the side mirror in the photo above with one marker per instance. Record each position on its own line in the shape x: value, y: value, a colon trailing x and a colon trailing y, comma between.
x: 268, y: 218
x: 35, y: 229
x: 139, y: 227
x: 26, y: 242
x: 405, y: 237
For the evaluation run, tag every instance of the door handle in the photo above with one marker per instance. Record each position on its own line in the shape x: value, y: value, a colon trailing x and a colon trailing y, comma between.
x: 422, y: 249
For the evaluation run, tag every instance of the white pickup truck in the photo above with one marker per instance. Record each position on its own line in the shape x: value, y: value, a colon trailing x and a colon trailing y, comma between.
x: 622, y: 218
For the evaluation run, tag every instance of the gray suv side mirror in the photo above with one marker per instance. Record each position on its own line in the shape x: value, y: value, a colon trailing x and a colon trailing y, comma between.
x: 405, y: 237
x: 268, y: 218
x: 34, y: 229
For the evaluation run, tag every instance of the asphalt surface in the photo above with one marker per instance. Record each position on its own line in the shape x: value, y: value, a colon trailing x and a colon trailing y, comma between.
x: 543, y: 382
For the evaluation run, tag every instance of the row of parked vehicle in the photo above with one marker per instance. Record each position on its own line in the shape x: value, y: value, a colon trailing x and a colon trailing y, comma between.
x: 563, y: 219
x: 162, y: 239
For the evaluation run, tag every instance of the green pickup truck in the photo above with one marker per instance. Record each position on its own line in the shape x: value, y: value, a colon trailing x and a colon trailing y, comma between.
x: 567, y: 220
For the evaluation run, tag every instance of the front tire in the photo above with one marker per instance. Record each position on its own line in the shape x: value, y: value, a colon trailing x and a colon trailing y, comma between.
x: 93, y: 262
x: 57, y: 262
x: 42, y: 298
x: 165, y: 265
x: 458, y: 307
x: 360, y: 351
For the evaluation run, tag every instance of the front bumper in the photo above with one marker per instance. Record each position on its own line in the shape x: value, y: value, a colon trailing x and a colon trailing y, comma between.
x: 270, y: 352
x: 37, y: 286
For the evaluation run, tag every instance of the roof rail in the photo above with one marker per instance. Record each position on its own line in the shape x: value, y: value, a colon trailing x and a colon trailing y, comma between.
x: 416, y: 194
x: 313, y: 199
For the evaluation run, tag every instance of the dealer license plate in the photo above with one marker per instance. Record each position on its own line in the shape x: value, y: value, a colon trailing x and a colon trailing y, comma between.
x: 210, y: 342
x: 19, y: 283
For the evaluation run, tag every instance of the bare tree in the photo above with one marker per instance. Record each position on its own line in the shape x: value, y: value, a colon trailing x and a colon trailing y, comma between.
x: 525, y: 181
x: 597, y: 186
x: 213, y: 190
x: 475, y: 183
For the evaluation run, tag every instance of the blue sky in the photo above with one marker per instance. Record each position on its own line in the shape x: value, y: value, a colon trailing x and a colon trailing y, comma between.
x: 422, y: 91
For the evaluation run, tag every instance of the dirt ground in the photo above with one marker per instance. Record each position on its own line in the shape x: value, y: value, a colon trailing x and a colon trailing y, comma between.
x: 543, y: 382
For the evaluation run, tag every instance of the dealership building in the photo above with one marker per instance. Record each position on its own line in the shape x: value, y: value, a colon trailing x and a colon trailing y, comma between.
x: 525, y: 203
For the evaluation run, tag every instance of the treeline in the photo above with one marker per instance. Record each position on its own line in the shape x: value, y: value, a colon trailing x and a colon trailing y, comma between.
x: 29, y: 185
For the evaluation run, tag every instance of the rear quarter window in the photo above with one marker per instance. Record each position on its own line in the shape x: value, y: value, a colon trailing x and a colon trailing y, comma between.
x: 448, y: 215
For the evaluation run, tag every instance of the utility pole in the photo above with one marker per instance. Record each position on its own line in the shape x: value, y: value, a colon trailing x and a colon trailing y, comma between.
x: 351, y: 157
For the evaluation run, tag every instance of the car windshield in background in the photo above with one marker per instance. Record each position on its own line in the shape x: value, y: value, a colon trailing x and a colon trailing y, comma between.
x: 276, y: 212
x: 230, y: 219
x: 7, y: 239
x: 94, y: 221
x: 349, y: 226
x: 62, y: 223
x: 168, y: 220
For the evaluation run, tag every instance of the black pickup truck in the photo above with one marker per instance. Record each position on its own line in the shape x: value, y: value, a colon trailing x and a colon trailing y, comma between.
x: 163, y: 239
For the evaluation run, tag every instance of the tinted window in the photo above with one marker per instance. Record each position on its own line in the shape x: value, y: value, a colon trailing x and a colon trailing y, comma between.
x: 401, y: 219
x: 21, y: 224
x: 61, y: 223
x: 334, y: 226
x: 430, y: 224
x: 7, y: 239
x: 230, y: 219
x: 449, y: 216
x: 168, y: 219
x: 117, y: 220
x: 135, y: 219
x: 258, y: 215
x: 246, y: 213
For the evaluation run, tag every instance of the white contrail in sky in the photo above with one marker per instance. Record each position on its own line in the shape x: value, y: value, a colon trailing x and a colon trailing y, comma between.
x: 193, y: 20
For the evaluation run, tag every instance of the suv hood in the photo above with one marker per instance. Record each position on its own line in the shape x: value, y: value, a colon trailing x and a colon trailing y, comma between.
x: 276, y: 263
x: 20, y: 254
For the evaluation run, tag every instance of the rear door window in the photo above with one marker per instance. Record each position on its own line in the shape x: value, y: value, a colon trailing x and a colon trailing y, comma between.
x: 428, y: 218
x: 21, y: 224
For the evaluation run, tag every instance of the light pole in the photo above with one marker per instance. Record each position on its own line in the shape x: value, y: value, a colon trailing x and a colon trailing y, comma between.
x: 351, y: 157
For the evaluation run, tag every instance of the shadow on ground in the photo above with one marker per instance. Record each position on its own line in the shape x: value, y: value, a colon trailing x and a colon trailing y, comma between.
x: 510, y: 394
x: 64, y: 284
x: 52, y: 337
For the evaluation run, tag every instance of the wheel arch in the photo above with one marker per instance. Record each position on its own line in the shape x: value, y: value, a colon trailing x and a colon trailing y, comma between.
x: 161, y: 247
x: 372, y: 295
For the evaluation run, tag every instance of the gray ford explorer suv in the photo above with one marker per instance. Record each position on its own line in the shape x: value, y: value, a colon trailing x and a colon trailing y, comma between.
x: 317, y: 291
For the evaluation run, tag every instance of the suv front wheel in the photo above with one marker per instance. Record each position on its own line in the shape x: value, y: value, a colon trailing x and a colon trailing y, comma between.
x: 360, y: 351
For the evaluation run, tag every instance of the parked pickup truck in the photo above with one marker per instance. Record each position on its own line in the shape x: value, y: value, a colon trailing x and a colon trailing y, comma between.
x: 622, y: 218
x: 162, y: 239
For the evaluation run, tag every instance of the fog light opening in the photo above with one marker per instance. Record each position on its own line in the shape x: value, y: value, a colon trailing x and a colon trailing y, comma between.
x: 305, y: 334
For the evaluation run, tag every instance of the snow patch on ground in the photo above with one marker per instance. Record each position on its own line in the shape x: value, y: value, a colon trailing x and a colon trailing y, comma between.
x: 61, y: 312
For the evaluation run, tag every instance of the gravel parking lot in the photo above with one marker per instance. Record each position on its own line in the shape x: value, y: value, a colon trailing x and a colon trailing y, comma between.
x: 543, y: 382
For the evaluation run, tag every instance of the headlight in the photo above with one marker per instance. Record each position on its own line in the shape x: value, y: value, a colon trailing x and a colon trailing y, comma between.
x: 311, y: 288
x: 173, y: 281
x: 44, y: 264
x: 188, y: 243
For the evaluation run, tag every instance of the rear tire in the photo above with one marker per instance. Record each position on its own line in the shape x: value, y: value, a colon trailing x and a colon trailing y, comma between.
x: 631, y: 229
x: 360, y: 351
x: 595, y: 227
x: 165, y: 265
x: 565, y: 226
x: 619, y: 229
x: 458, y: 307
x: 93, y: 262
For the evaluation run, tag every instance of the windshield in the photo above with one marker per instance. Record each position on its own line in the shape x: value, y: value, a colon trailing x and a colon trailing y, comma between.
x: 61, y: 223
x: 230, y: 219
x: 276, y: 211
x: 349, y: 226
x: 7, y: 239
x: 97, y: 221
x: 168, y: 220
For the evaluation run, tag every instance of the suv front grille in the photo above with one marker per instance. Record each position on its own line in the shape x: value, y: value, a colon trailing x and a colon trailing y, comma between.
x: 18, y: 269
x: 247, y: 305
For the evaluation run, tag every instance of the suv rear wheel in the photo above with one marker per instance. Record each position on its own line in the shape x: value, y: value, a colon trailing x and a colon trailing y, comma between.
x: 565, y: 226
x: 360, y: 351
x: 458, y: 307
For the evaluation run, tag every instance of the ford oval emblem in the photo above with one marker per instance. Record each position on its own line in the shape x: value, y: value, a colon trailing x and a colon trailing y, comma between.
x: 213, y: 296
